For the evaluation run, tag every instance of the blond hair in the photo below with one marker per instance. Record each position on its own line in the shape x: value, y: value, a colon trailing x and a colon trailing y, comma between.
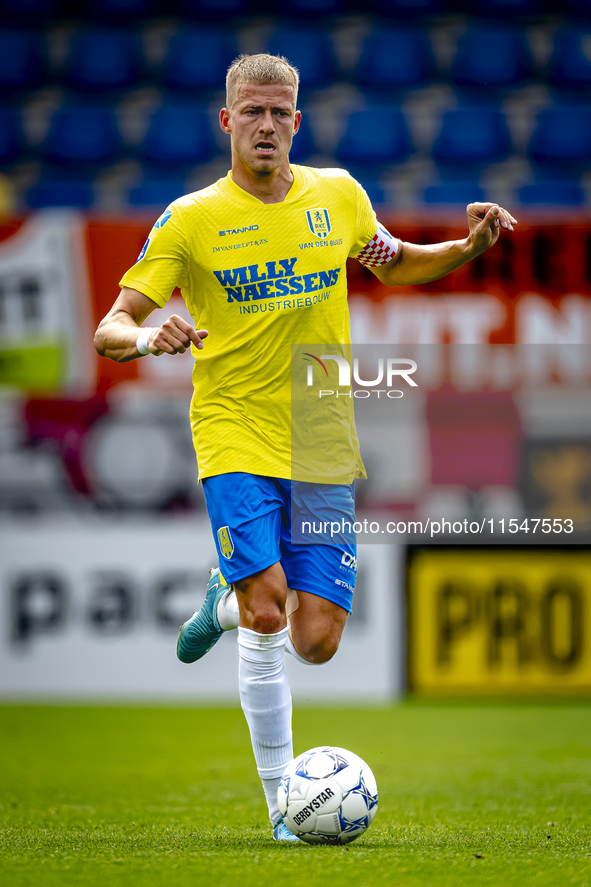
x: 260, y: 69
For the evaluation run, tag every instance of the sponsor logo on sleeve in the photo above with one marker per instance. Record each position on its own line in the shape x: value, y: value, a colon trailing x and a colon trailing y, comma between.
x: 163, y: 219
x: 143, y: 252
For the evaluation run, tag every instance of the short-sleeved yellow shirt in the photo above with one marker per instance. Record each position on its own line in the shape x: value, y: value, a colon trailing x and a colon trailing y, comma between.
x: 259, y: 277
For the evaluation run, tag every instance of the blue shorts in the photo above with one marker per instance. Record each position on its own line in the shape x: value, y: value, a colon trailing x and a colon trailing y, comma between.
x: 251, y: 522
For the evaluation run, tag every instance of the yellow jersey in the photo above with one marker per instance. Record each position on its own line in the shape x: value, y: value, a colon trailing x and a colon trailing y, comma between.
x: 260, y: 278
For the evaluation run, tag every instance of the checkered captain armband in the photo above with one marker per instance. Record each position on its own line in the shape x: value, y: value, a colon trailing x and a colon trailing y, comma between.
x: 380, y: 249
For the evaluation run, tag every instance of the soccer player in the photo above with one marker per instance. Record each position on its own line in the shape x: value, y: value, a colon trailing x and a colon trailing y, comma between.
x: 260, y: 259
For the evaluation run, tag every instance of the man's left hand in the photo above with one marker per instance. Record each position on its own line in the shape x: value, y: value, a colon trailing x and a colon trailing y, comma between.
x: 485, y: 221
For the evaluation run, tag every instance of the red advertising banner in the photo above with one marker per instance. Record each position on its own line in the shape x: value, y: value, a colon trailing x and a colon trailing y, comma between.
x: 490, y: 418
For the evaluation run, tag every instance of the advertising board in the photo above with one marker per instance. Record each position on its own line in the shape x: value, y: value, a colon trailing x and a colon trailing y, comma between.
x: 499, y: 621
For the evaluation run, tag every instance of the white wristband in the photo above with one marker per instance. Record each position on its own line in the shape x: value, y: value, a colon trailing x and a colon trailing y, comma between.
x: 141, y: 343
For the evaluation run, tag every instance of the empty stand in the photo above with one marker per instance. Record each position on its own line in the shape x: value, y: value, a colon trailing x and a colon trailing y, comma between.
x: 214, y: 9
x: 304, y: 143
x: 491, y: 56
x: 410, y: 8
x: 310, y: 50
x: 395, y: 57
x: 179, y: 134
x: 461, y: 193
x: 103, y: 59
x: 562, y: 138
x: 374, y: 137
x: 22, y: 61
x: 313, y: 9
x: 156, y: 194
x: 552, y: 194
x: 55, y: 193
x: 471, y: 137
x: 11, y: 136
x: 198, y: 58
x: 387, y: 81
x: 500, y: 7
x: 570, y: 63
x: 121, y: 11
x: 83, y: 135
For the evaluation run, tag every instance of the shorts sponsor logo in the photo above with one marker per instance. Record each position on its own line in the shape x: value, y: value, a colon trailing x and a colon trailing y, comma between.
x: 226, y: 543
x: 143, y: 252
x: 318, y: 222
x: 349, y: 560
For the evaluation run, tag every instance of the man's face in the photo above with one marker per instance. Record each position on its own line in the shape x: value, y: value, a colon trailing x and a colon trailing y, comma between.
x: 262, y: 122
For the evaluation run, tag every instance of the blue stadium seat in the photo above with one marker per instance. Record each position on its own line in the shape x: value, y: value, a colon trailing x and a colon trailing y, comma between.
x: 410, y: 8
x: 494, y: 56
x: 472, y: 136
x: 11, y: 136
x: 310, y: 50
x: 101, y: 59
x: 120, y: 10
x: 311, y: 9
x: 199, y: 58
x: 156, y: 193
x: 214, y: 10
x: 374, y: 191
x: 375, y: 136
x: 552, y: 194
x: 304, y: 143
x: 497, y: 8
x: 29, y: 12
x: 22, y: 60
x: 562, y: 135
x: 575, y: 7
x: 179, y: 134
x: 82, y: 134
x: 461, y: 193
x: 77, y: 194
x: 395, y: 57
x: 570, y: 62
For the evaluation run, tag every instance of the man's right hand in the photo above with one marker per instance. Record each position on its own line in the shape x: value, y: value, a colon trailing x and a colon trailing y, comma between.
x: 175, y: 336
x: 117, y: 333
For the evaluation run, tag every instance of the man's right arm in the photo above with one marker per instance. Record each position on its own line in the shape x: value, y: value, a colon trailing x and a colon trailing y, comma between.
x: 117, y: 333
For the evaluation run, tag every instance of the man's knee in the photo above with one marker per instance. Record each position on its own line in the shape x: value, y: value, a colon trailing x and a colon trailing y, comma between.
x: 261, y: 599
x: 319, y: 651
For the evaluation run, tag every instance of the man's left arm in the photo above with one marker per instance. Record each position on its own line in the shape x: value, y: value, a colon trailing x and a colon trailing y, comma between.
x: 416, y: 264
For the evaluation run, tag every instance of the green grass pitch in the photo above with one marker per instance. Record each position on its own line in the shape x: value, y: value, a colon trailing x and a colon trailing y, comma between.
x: 470, y: 794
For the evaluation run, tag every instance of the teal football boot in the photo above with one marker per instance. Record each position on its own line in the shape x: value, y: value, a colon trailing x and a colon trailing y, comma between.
x: 199, y: 633
x: 282, y: 833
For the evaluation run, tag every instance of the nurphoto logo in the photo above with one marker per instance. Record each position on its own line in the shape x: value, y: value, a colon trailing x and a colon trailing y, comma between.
x: 388, y: 371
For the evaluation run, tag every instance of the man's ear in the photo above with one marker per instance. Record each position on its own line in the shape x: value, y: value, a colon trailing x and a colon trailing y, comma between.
x: 297, y: 121
x: 225, y: 120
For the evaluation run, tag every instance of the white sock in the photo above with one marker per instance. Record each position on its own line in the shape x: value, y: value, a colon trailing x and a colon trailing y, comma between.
x: 289, y: 648
x: 266, y: 703
x: 227, y: 611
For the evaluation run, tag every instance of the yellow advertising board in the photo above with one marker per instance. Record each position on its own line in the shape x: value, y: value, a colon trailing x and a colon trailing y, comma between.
x: 499, y: 621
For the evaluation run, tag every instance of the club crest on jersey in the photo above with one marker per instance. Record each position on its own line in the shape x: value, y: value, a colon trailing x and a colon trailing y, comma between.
x: 318, y: 222
x: 226, y: 544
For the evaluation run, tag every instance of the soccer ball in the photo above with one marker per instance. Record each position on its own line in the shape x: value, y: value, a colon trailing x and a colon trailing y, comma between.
x: 327, y: 796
